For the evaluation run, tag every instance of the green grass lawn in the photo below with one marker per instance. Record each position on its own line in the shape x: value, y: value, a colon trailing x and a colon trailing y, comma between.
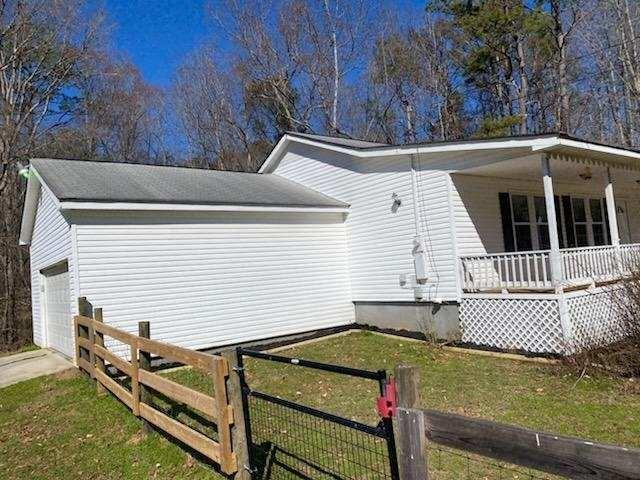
x: 56, y: 427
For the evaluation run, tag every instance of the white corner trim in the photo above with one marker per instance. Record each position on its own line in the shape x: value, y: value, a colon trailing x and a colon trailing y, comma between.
x: 73, y: 232
x: 70, y: 205
x: 453, y: 231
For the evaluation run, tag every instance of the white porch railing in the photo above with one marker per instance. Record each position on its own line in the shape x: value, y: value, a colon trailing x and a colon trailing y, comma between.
x: 506, y: 270
x: 532, y: 270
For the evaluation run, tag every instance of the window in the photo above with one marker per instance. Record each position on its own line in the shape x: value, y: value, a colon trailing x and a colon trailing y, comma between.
x: 526, y: 224
x: 521, y: 222
x: 580, y: 222
x: 542, y: 223
x: 598, y: 221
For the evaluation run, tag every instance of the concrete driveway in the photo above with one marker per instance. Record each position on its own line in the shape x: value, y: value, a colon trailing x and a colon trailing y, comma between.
x: 23, y: 366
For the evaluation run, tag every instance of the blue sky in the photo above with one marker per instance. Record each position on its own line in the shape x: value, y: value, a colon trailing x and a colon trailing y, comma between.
x: 157, y: 34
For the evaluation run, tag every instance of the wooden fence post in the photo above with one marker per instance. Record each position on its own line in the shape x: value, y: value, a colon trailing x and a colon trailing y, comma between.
x: 238, y: 432
x: 409, y: 426
x: 220, y: 373
x: 99, y: 340
x: 85, y: 309
x: 144, y: 363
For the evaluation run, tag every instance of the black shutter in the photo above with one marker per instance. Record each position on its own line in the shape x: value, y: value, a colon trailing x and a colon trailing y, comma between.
x: 568, y: 221
x: 563, y: 242
x: 507, y: 223
x: 606, y: 219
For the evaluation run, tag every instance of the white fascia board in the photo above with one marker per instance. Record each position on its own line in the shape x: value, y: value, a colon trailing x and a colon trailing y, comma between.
x: 45, y: 187
x: 563, y: 142
x: 34, y: 184
x: 274, y: 156
x: 115, y: 206
x: 533, y: 143
x: 29, y: 210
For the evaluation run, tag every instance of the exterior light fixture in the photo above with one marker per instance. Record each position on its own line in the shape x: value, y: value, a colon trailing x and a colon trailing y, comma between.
x: 586, y: 175
x: 23, y: 171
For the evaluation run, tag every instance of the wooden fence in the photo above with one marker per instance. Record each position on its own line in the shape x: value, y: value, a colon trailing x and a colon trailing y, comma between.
x: 541, y: 451
x: 92, y: 356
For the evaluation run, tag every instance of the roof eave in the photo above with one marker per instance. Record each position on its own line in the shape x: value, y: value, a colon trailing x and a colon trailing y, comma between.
x: 35, y: 184
x: 539, y: 144
x: 181, y: 207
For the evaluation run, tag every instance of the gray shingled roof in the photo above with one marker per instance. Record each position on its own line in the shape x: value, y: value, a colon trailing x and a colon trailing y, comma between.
x: 77, y: 180
x: 344, y: 142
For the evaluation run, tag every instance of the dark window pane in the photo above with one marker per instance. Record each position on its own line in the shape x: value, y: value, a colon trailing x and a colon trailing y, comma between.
x: 579, y: 214
x: 598, y: 234
x: 543, y: 237
x: 596, y: 209
x: 541, y: 209
x: 582, y: 239
x: 606, y: 219
x: 523, y: 238
x: 520, y: 208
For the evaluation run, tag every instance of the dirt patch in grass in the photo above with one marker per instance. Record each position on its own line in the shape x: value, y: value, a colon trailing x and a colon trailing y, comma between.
x: 67, y: 374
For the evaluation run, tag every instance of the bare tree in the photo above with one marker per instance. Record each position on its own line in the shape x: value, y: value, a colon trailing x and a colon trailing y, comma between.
x: 41, y: 45
x: 209, y: 106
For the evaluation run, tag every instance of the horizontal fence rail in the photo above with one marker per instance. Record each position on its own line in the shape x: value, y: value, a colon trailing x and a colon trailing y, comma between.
x: 93, y: 357
x: 532, y: 270
x: 565, y: 456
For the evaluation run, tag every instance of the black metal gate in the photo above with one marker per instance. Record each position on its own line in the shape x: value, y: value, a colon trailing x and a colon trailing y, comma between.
x: 288, y: 440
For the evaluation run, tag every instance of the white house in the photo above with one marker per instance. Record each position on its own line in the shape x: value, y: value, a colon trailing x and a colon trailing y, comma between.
x: 503, y: 242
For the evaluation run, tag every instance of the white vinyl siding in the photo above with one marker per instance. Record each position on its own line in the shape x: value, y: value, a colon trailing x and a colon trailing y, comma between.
x: 51, y: 244
x: 205, y: 280
x: 435, y: 214
x: 380, y: 239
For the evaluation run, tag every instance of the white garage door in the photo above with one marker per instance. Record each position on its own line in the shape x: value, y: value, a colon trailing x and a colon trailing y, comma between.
x: 57, y: 309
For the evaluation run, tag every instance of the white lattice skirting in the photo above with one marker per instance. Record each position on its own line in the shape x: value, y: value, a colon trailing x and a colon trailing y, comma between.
x: 596, y: 317
x: 517, y: 323
x: 533, y: 323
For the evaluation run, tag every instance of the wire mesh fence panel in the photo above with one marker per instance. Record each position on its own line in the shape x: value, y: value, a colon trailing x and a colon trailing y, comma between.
x: 451, y: 464
x: 289, y: 444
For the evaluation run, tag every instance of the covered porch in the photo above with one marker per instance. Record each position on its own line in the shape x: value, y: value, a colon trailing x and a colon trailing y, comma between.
x: 547, y: 222
x: 543, y: 240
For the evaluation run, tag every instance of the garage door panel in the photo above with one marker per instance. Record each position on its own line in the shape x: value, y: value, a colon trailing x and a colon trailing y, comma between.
x: 57, y: 311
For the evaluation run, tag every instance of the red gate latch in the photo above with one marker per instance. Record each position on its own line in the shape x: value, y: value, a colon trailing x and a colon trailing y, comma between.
x: 387, y: 403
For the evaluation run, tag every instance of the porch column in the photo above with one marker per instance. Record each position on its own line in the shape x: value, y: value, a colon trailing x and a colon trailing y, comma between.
x: 611, y: 210
x: 613, y: 219
x: 554, y: 258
